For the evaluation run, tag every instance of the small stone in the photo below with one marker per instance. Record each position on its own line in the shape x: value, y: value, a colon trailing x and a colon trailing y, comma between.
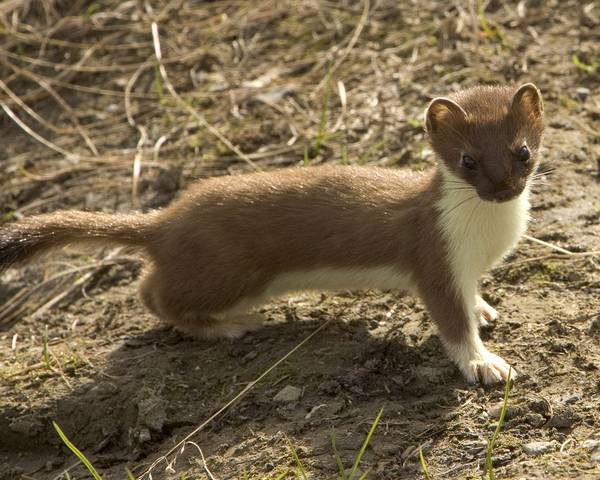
x: 564, y: 418
x: 591, y: 444
x: 539, y: 448
x: 288, y: 394
x: 582, y: 93
x: 144, y: 435
x: 512, y: 411
x: 573, y: 398
x: 330, y: 387
x: 26, y: 425
x: 541, y: 406
x: 534, y: 419
x: 151, y: 410
x: 595, y: 325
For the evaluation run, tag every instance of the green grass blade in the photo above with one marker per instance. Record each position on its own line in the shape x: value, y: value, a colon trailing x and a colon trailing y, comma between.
x: 588, y: 68
x: 344, y: 160
x: 365, y: 445
x: 423, y: 464
x: 321, y: 134
x: 364, y: 475
x: 45, y: 354
x: 372, y: 150
x: 77, y: 452
x: 338, y: 459
x: 489, y: 468
x: 158, y: 85
x: 129, y: 475
x: 297, y: 459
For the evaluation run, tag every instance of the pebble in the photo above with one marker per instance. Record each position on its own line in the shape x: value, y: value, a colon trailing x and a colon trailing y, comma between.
x: 591, y: 444
x: 595, y: 325
x: 573, y: 398
x: 26, y: 425
x: 539, y: 448
x: 541, y: 406
x: 288, y: 394
x: 330, y: 387
x: 582, y: 93
x: 512, y: 411
x: 151, y: 410
x: 534, y: 419
x: 564, y: 418
x: 144, y: 435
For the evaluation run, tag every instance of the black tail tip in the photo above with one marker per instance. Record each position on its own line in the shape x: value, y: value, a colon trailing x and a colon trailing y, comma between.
x: 12, y: 250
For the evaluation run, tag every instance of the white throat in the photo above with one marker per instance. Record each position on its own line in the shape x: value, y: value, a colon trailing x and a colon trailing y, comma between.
x: 479, y: 233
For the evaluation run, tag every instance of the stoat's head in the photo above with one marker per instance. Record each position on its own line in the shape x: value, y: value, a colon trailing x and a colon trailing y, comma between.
x: 489, y: 137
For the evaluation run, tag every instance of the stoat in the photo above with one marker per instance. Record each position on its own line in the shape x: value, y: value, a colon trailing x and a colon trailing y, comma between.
x: 230, y: 244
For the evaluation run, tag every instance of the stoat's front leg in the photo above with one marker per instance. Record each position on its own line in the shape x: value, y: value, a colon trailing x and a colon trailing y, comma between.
x: 458, y: 327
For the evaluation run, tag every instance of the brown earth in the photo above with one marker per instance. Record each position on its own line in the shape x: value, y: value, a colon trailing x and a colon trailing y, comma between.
x: 126, y: 389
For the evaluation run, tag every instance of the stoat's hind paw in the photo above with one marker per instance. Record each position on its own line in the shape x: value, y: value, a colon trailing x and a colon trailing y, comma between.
x: 485, y: 312
x: 231, y: 328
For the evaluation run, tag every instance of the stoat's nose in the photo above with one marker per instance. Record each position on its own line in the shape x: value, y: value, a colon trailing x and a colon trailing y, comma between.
x: 504, y: 195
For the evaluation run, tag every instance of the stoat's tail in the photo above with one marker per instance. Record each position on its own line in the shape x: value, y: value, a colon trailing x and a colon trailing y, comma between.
x: 22, y: 240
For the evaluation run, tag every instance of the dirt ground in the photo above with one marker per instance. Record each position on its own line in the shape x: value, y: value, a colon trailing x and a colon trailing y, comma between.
x: 288, y: 83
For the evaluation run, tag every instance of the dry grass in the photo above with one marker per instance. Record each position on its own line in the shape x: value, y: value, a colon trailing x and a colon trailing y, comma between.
x: 121, y: 95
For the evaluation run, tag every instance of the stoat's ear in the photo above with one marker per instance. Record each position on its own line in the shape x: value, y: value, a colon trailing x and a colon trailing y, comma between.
x: 528, y: 100
x: 441, y: 111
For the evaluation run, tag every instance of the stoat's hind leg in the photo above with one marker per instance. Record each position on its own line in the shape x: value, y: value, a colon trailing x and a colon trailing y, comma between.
x: 209, y: 312
x: 485, y: 312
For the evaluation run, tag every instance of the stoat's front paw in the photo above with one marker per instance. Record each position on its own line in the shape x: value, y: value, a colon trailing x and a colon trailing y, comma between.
x: 485, y: 312
x: 487, y: 368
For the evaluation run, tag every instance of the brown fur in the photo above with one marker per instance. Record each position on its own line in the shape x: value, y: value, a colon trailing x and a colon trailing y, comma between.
x: 227, y: 239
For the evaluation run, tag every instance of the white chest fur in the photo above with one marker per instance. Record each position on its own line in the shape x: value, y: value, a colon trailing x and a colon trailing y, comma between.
x: 478, y: 233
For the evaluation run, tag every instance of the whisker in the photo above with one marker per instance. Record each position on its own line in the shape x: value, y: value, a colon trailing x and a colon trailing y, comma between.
x: 459, y: 182
x: 457, y: 189
x: 471, y: 216
x: 544, y: 173
x: 448, y: 212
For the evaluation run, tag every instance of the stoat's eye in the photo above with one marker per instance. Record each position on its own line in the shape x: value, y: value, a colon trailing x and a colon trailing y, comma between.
x: 468, y: 162
x: 524, y: 154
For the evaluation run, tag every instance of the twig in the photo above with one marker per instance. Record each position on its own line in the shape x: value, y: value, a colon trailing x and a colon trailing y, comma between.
x: 571, y: 256
x: 38, y: 137
x: 204, y: 464
x: 549, y: 245
x: 137, y: 166
x: 129, y: 88
x: 355, y: 36
x: 225, y: 407
x: 43, y: 83
x: 189, y: 108
x: 80, y: 281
